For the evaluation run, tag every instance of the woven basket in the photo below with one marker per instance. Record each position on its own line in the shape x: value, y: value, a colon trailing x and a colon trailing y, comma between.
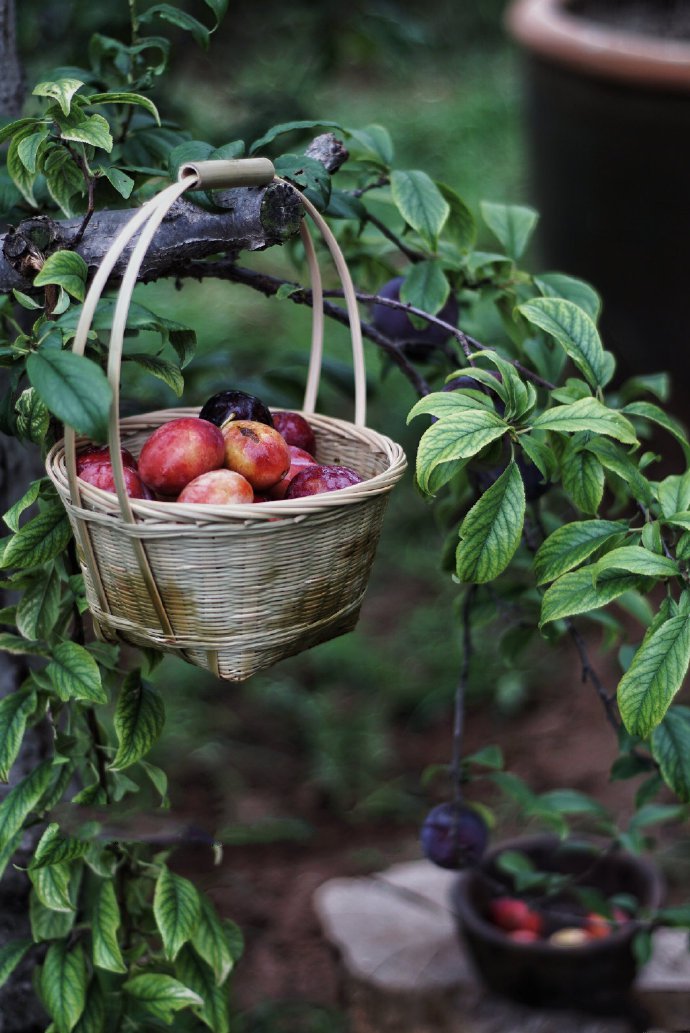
x: 232, y: 589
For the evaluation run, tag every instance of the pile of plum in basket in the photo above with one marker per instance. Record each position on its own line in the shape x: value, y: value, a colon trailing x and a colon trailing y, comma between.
x: 235, y: 451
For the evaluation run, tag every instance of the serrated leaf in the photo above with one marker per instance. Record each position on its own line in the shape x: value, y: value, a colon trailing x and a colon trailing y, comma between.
x: 93, y: 1017
x: 442, y: 403
x: 39, y: 607
x: 425, y: 286
x: 637, y: 560
x: 651, y: 412
x: 63, y: 177
x: 16, y: 126
x: 15, y: 708
x: 654, y: 677
x: 492, y: 529
x: 90, y: 129
x: 576, y: 333
x: 47, y: 924
x: 119, y: 97
x: 583, y: 477
x: 210, y: 942
x: 515, y: 393
x: 55, y: 848
x: 11, y: 517
x: 161, y: 995
x: 52, y: 887
x: 571, y: 544
x: 33, y: 418
x: 512, y: 225
x: 587, y: 414
x: 10, y: 956
x: 420, y: 203
x: 674, y: 494
x: 63, y: 985
x: 22, y: 799
x: 19, y: 174
x: 194, y: 973
x: 159, y: 368
x: 575, y: 592
x: 61, y: 90
x: 66, y: 269
x: 541, y: 455
x: 458, y: 436
x: 558, y: 285
x: 29, y: 147
x: 41, y: 539
x: 74, y: 674
x: 105, y: 923
x: 139, y: 720
x: 614, y: 459
x: 176, y: 909
x: 670, y: 744
x: 74, y: 388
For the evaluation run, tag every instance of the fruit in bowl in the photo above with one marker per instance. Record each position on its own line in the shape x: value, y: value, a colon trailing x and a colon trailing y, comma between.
x: 314, y: 480
x: 257, y: 451
x: 101, y: 476
x: 226, y: 406
x: 299, y: 460
x: 101, y: 454
x: 295, y: 429
x: 179, y: 451
x: 218, y: 488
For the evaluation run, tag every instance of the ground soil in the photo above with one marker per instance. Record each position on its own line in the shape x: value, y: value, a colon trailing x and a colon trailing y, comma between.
x: 560, y: 739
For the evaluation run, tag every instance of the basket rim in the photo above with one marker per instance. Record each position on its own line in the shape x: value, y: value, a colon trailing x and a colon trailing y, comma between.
x: 179, y: 514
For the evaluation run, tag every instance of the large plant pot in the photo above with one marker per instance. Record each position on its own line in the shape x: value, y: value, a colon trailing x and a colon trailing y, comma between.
x: 595, y: 976
x: 608, y: 118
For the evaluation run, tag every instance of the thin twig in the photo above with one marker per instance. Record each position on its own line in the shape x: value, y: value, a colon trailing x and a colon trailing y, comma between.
x: 589, y: 674
x: 408, y: 252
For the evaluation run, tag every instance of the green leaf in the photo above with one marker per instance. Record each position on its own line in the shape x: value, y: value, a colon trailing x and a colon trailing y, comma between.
x: 74, y: 388
x: 194, y: 973
x: 17, y: 126
x: 10, y: 956
x: 458, y: 436
x: 583, y: 477
x: 176, y: 909
x: 617, y: 461
x: 54, y: 848
x: 654, y: 414
x: 491, y: 530
x: 28, y: 149
x: 20, y: 646
x: 372, y: 145
x: 654, y: 677
x: 139, y: 720
x: 90, y: 129
x: 61, y: 90
x: 63, y: 985
x: 576, y: 592
x: 210, y: 942
x: 308, y: 174
x: 66, y: 269
x: 420, y: 203
x: 670, y: 744
x: 75, y: 674
x: 15, y: 708
x: 571, y: 544
x: 52, y: 887
x: 674, y: 494
x: 105, y: 923
x: 119, y: 97
x: 512, y: 225
x: 460, y: 228
x: 587, y: 414
x: 39, y: 607
x: 47, y: 924
x: 121, y: 182
x: 576, y: 333
x: 636, y: 560
x: 11, y: 517
x: 33, y: 418
x: 63, y: 177
x: 541, y: 455
x: 219, y: 8
x: 93, y: 1016
x: 22, y: 799
x: 39, y: 540
x: 200, y: 34
x: 19, y: 174
x: 289, y: 127
x: 425, y: 287
x: 161, y: 995
x: 442, y: 403
x: 518, y: 396
x: 558, y: 285
x: 160, y: 368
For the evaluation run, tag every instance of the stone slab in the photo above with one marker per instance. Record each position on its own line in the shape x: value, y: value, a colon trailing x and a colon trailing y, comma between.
x: 405, y: 970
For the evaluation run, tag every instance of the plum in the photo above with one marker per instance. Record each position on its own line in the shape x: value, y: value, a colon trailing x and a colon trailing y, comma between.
x: 226, y: 406
x: 299, y: 460
x: 101, y: 454
x: 218, y: 488
x: 256, y: 451
x: 179, y: 451
x: 314, y: 480
x: 295, y: 429
x: 101, y: 476
x: 511, y: 914
x: 395, y: 324
x: 454, y: 835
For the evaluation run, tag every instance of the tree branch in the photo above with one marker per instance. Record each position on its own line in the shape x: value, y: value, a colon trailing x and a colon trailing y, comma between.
x: 12, y: 73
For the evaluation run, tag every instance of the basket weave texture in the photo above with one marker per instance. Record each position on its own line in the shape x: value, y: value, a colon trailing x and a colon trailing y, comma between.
x: 232, y: 589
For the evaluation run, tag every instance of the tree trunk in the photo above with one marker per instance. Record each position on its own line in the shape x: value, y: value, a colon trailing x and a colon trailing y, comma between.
x: 11, y: 72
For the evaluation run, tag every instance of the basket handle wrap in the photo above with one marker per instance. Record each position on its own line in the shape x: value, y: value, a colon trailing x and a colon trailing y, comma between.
x: 208, y: 175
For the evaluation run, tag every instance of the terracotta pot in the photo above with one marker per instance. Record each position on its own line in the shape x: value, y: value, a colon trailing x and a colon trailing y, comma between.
x: 608, y: 117
x: 595, y: 976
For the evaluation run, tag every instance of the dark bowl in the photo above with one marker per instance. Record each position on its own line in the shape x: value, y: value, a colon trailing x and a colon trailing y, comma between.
x: 595, y: 976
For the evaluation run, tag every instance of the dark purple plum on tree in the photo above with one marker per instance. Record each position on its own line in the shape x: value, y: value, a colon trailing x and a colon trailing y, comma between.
x: 395, y: 324
x: 454, y: 835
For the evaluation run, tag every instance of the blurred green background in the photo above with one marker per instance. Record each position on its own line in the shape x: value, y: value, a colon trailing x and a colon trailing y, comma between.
x: 442, y: 77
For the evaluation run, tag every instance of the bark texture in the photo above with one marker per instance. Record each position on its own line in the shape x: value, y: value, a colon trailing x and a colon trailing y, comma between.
x: 11, y: 72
